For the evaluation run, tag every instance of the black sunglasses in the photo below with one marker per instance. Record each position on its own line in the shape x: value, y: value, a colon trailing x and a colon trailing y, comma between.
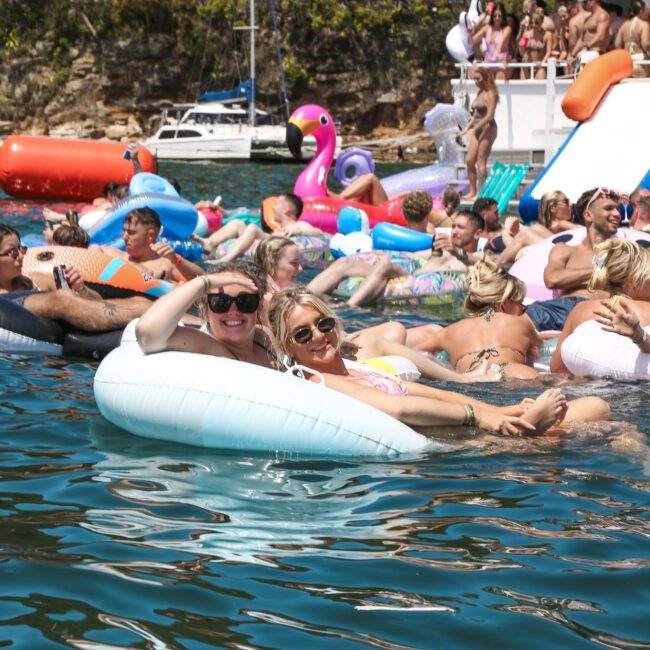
x: 247, y: 303
x: 15, y: 252
x: 305, y: 334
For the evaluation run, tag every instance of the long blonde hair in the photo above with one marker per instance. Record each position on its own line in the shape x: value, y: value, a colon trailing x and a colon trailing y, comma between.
x: 549, y: 200
x: 488, y: 82
x: 283, y: 303
x: 616, y: 263
x: 269, y: 251
x: 490, y: 285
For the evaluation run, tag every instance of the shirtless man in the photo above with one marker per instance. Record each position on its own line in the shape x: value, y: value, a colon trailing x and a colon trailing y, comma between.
x: 460, y: 249
x: 78, y: 306
x: 576, y: 28
x: 595, y: 35
x: 286, y: 210
x: 569, y: 267
x: 156, y: 259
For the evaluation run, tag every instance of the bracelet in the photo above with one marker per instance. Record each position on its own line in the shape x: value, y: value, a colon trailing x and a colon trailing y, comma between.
x: 470, y: 417
x: 207, y: 285
x: 177, y: 259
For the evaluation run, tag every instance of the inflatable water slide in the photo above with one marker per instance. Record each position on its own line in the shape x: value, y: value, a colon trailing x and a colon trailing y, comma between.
x: 610, y: 145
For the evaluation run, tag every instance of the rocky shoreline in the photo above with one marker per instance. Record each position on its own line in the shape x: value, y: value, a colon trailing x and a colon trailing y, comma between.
x: 117, y: 92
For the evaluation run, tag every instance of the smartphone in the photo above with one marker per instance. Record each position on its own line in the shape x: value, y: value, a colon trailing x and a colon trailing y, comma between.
x: 60, y: 280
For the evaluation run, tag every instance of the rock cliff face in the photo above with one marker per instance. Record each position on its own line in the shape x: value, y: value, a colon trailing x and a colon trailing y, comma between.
x: 116, y: 90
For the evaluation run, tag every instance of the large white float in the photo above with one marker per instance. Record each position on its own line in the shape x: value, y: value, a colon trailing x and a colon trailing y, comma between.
x: 208, y: 401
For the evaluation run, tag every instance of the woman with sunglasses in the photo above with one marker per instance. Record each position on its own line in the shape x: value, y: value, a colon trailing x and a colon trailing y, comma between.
x: 279, y: 257
x: 230, y: 303
x: 308, y: 332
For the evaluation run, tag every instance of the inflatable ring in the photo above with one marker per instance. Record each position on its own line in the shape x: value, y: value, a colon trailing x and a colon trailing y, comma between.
x: 314, y: 251
x: 357, y: 161
x: 208, y: 401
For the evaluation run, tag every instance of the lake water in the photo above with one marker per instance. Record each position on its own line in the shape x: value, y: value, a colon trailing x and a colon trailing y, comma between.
x: 111, y: 541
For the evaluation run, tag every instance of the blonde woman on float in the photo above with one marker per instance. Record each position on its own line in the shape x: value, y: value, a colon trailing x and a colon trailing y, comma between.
x: 554, y: 216
x: 622, y: 269
x: 279, y: 257
x: 308, y: 333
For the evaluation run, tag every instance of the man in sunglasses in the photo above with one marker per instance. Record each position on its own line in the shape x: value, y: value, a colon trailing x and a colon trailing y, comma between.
x: 569, y: 267
x: 78, y: 306
x: 155, y: 258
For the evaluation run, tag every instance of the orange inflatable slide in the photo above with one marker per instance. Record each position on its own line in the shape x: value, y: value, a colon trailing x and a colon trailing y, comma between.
x: 64, y: 170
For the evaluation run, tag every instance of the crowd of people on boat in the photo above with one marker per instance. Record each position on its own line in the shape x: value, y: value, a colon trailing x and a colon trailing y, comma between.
x: 577, y: 31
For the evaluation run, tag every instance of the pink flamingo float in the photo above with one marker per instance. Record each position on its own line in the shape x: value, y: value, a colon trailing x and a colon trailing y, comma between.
x: 320, y: 209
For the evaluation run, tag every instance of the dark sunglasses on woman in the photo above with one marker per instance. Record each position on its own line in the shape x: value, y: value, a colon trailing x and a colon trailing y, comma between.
x: 305, y: 334
x: 15, y: 252
x: 247, y: 303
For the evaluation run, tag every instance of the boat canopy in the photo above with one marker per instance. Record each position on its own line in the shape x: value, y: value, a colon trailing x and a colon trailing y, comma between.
x: 245, y: 90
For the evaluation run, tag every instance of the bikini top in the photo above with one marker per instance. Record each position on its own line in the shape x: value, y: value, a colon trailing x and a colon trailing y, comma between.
x: 391, y: 385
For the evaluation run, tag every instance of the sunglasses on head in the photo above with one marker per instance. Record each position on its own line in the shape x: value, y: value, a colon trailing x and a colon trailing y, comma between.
x: 247, y: 303
x: 603, y: 193
x: 15, y: 252
x: 305, y: 334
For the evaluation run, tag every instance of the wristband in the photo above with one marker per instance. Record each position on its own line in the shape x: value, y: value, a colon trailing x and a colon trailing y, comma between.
x: 470, y: 417
x: 207, y: 285
x: 642, y: 340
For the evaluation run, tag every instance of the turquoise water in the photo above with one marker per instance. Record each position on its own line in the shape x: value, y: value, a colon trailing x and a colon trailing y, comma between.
x: 111, y: 541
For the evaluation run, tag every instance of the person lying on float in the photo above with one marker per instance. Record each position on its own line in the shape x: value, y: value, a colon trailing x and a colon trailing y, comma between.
x: 308, y: 333
x: 155, y: 258
x: 569, y: 267
x: 78, y: 306
x: 286, y: 210
x: 621, y: 273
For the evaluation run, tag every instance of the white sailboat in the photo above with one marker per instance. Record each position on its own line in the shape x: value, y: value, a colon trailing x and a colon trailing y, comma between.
x: 227, y: 128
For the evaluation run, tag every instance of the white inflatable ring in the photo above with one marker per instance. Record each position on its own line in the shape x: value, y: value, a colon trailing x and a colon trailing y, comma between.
x: 208, y: 401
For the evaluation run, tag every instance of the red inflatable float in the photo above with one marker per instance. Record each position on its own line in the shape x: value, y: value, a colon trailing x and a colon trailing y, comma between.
x: 322, y: 212
x: 64, y: 170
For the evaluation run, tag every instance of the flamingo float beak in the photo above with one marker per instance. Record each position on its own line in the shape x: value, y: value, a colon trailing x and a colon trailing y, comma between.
x: 297, y: 129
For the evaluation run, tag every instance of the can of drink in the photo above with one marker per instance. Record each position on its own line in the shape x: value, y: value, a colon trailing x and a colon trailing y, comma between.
x: 60, y: 281
x: 435, y: 252
x: 490, y: 8
x: 524, y: 42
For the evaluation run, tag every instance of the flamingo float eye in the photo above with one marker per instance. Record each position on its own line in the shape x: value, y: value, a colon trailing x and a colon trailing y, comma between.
x: 323, y: 120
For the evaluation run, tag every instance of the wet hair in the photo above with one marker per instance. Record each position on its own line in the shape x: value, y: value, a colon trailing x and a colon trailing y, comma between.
x: 474, y: 218
x: 243, y: 266
x: 121, y: 192
x: 450, y: 199
x: 490, y: 285
x: 143, y: 217
x: 71, y: 235
x: 617, y: 262
x: 283, y: 303
x: 269, y: 251
x: 174, y: 183
x: 416, y: 206
x: 548, y: 200
x: 296, y: 202
x: 487, y: 81
x: 109, y: 188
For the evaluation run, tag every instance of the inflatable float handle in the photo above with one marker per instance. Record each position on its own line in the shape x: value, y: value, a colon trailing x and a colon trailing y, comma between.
x: 298, y: 371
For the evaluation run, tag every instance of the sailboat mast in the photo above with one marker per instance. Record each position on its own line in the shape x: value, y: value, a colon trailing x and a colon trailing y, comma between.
x: 251, y: 105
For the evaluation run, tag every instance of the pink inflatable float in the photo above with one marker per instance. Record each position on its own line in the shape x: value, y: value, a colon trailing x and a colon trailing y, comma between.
x: 530, y: 266
x: 320, y: 208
